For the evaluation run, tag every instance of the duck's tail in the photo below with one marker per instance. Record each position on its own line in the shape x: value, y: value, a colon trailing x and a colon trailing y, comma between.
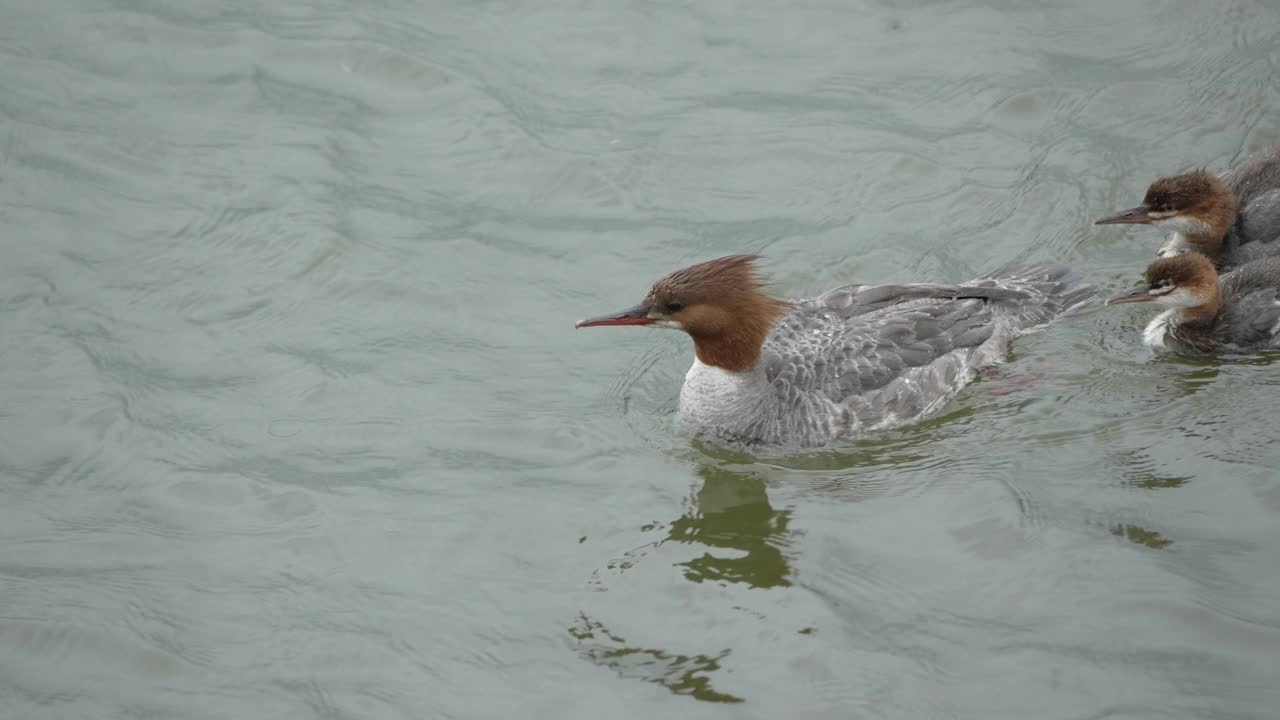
x: 1052, y: 291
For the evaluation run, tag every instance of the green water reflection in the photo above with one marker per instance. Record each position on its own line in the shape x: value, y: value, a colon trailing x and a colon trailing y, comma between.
x: 731, y: 511
x: 730, y: 515
x: 681, y: 674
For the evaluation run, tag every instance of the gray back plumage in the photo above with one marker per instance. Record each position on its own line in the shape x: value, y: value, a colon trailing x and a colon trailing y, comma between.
x: 863, y: 357
x: 1256, y: 185
x: 1250, y: 315
x: 1257, y: 175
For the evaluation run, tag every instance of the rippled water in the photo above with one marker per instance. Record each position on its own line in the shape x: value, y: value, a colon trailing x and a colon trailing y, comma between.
x: 296, y: 423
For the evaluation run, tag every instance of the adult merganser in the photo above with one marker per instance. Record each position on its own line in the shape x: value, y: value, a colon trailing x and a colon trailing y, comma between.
x: 1241, y: 312
x: 1232, y: 218
x: 804, y: 373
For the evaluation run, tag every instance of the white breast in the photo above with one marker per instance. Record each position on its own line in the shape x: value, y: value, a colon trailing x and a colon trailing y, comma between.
x: 1157, y: 329
x: 710, y: 385
x: 716, y: 397
x: 1177, y: 244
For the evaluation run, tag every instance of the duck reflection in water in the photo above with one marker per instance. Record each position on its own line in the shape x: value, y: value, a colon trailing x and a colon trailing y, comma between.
x: 744, y: 536
x: 731, y: 511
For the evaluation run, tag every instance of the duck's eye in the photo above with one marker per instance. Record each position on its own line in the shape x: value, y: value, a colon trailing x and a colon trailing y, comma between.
x: 675, y: 306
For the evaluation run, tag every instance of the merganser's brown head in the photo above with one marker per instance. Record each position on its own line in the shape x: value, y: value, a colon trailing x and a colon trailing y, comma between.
x: 1196, y: 205
x: 1187, y: 282
x: 719, y: 303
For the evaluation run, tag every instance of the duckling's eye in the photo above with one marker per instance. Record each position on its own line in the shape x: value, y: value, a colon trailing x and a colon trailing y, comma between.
x: 675, y: 306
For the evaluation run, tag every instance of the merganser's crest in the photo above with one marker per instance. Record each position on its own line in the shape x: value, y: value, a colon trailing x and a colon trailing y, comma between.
x: 722, y: 305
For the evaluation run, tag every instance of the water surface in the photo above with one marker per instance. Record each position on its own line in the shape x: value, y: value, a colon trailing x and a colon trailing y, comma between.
x: 296, y: 423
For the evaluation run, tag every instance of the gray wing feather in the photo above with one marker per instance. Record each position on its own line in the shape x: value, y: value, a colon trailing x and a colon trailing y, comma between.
x: 852, y: 300
x: 865, y: 356
x: 1256, y: 176
x: 1252, y: 296
x: 869, y: 349
x: 1252, y: 320
x: 860, y: 338
x: 1259, y: 222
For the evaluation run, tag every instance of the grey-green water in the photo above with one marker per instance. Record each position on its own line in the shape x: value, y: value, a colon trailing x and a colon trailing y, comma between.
x: 295, y: 422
